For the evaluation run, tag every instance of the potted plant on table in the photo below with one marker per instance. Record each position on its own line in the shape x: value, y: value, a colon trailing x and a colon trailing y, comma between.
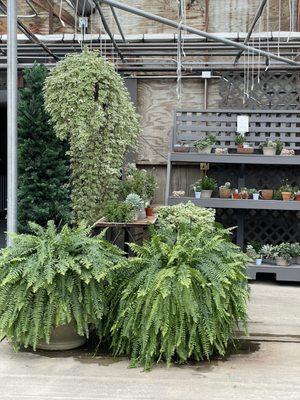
x: 282, y: 254
x: 267, y: 253
x: 137, y: 204
x: 244, y: 194
x: 197, y: 189
x: 269, y: 148
x: 118, y: 211
x: 181, y: 147
x: 207, y: 186
x: 254, y: 253
x: 225, y: 191
x: 242, y: 146
x: 254, y: 193
x: 295, y: 252
x: 204, y: 146
x: 286, y: 190
x: 54, y: 285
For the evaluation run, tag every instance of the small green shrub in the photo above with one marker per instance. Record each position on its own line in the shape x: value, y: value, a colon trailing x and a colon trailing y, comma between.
x: 118, y: 211
x: 184, y: 292
x: 138, y: 181
x: 51, y: 278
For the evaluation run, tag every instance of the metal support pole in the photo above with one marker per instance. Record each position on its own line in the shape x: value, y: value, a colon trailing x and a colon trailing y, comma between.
x: 11, y: 118
x: 256, y: 18
x: 187, y: 28
x: 113, y: 11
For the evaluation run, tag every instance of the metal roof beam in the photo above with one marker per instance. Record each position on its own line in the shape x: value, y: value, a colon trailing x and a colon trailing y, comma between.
x: 256, y: 18
x: 106, y: 27
x: 195, y: 31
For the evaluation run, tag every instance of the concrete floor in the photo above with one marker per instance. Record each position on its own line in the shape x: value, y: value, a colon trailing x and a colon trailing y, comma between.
x: 267, y: 366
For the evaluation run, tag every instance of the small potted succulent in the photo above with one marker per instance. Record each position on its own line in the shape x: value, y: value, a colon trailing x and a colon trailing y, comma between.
x: 244, y: 193
x: 267, y: 253
x: 207, y: 186
x: 282, y: 254
x: 181, y: 147
x: 295, y: 252
x: 225, y: 191
x: 254, y: 253
x: 286, y: 190
x: 221, y: 151
x: 242, y: 146
x: 287, y: 152
x: 269, y: 148
x: 254, y: 193
x: 204, y: 146
x: 137, y: 203
x: 297, y: 194
x: 197, y: 189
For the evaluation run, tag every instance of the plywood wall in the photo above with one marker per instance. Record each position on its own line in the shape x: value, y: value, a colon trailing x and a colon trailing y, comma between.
x: 156, y: 101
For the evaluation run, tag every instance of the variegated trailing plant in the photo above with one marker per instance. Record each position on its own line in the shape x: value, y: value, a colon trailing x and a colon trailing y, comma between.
x: 91, y: 108
x: 50, y: 278
x: 185, y: 292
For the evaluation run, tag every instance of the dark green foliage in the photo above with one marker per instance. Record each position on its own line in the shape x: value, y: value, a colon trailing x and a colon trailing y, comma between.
x: 43, y: 166
x: 118, y: 211
x: 51, y: 278
x: 185, y: 293
x: 137, y: 181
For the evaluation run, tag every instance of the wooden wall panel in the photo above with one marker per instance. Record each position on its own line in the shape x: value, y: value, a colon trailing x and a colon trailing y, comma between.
x: 157, y: 100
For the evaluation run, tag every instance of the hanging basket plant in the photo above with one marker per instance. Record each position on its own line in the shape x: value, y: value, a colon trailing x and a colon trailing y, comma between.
x: 89, y: 105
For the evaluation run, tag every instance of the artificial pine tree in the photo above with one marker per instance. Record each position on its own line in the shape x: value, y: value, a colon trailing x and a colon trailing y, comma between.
x: 43, y: 192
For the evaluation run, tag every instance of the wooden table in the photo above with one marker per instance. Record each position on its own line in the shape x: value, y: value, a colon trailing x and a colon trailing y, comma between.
x: 126, y: 228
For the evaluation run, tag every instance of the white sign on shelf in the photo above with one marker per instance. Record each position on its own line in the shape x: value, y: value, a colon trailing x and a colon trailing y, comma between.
x: 242, y: 124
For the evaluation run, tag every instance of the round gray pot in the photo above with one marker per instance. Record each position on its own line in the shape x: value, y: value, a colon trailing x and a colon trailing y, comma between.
x: 63, y: 338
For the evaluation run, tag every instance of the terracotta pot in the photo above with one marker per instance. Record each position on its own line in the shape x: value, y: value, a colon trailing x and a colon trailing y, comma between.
x: 149, y: 211
x: 269, y: 151
x: 63, y: 338
x: 206, y: 150
x: 286, y: 196
x: 224, y: 193
x: 297, y: 197
x: 282, y: 262
x: 266, y: 194
x: 206, y: 194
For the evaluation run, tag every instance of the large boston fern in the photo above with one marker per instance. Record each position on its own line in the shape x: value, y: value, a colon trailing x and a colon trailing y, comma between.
x: 51, y: 278
x: 186, y: 293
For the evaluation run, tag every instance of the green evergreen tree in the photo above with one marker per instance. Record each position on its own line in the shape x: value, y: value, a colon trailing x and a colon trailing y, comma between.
x: 43, y: 192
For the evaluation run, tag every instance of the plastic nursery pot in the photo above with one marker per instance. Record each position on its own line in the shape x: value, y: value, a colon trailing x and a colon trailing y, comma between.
x: 224, y: 193
x: 258, y: 261
x: 255, y: 196
x: 266, y: 194
x: 282, y: 262
x: 206, y: 150
x: 63, y: 338
x: 286, y: 196
x: 206, y: 194
x: 149, y: 211
x: 197, y: 195
x: 269, y: 151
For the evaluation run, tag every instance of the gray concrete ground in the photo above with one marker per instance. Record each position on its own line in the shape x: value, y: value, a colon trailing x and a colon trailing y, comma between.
x: 267, y: 367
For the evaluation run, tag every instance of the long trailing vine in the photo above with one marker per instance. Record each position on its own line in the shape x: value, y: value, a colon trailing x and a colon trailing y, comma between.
x: 89, y: 105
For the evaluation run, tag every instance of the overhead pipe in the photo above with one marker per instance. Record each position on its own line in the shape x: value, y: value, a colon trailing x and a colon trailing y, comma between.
x: 187, y: 28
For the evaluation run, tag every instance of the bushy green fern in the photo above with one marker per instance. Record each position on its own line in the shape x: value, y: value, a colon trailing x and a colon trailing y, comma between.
x: 51, y: 278
x: 186, y: 292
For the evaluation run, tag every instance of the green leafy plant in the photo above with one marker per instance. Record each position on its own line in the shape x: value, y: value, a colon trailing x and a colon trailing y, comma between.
x: 208, y: 183
x: 240, y: 139
x: 90, y: 107
x: 50, y: 278
x: 253, y: 250
x: 286, y: 187
x: 118, y: 211
x: 209, y: 140
x: 43, y: 179
x: 267, y: 252
x: 283, y: 250
x: 184, y: 293
x: 137, y: 181
x: 295, y: 249
x: 253, y: 191
x: 270, y: 143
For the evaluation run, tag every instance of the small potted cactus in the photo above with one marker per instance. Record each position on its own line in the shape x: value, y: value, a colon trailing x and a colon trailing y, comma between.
x: 225, y: 191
